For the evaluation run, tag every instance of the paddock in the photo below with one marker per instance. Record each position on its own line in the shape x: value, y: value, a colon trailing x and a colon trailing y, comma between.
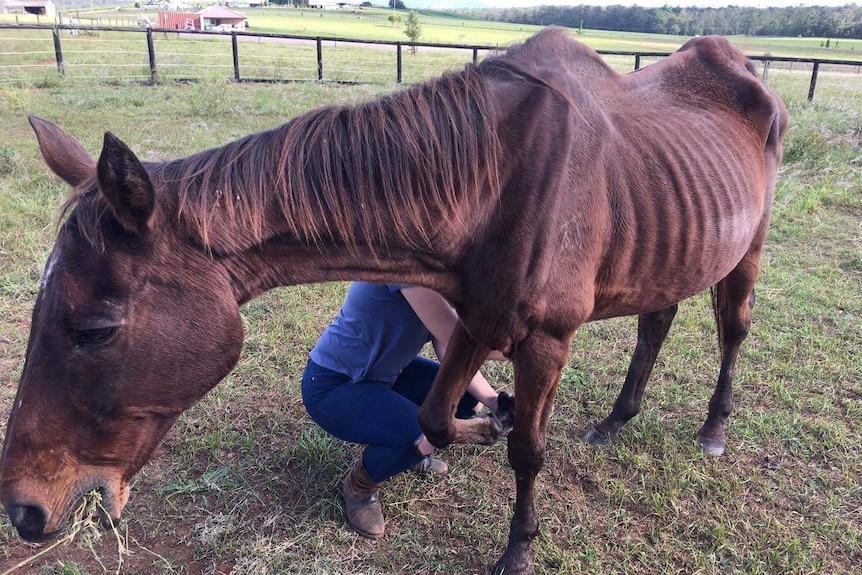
x: 219, y: 498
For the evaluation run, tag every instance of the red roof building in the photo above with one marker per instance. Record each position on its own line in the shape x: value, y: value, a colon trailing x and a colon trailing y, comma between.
x: 221, y: 18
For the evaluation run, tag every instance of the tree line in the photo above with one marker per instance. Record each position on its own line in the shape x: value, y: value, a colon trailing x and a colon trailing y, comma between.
x: 809, y: 21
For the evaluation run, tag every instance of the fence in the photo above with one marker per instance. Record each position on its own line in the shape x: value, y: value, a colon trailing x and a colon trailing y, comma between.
x: 108, y: 55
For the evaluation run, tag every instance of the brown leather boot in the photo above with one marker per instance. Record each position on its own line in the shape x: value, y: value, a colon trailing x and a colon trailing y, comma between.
x: 361, y: 503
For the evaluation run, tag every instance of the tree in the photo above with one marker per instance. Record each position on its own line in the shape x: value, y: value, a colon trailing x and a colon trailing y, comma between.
x: 413, y: 29
x: 398, y: 4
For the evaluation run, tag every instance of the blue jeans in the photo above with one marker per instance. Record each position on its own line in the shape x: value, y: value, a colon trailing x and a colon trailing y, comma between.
x: 381, y: 415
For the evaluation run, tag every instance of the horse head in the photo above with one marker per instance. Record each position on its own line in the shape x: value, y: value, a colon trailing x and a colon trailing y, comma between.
x: 123, y: 339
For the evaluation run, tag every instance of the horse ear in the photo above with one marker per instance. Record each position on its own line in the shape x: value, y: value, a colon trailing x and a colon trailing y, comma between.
x: 63, y: 154
x: 126, y: 185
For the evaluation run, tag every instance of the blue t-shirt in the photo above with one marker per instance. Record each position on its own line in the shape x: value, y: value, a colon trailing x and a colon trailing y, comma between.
x: 375, y: 335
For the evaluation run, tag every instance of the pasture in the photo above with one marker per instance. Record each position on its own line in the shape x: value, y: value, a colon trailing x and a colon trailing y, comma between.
x: 442, y: 27
x: 246, y: 484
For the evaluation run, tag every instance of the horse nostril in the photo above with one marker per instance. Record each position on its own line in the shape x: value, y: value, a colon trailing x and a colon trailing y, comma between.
x: 29, y: 520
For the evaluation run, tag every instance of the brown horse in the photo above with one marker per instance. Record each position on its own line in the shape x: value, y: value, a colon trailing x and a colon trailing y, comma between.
x: 537, y: 191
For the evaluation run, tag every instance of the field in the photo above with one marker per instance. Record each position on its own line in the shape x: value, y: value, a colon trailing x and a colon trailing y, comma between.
x: 441, y: 27
x: 247, y: 484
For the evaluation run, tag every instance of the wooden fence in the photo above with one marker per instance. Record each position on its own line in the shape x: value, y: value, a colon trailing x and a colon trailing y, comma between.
x: 318, y: 67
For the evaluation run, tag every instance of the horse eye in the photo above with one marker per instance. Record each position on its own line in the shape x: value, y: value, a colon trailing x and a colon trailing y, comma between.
x: 94, y: 336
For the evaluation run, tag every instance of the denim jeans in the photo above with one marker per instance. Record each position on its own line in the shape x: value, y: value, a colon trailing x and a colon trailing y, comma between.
x: 380, y: 415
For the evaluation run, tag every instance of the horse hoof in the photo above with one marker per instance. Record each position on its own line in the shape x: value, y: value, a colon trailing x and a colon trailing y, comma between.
x: 711, y: 446
x: 479, y: 430
x: 504, y: 567
x: 596, y: 437
x: 496, y: 430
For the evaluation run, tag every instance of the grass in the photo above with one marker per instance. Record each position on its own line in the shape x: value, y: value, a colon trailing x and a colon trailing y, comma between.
x: 246, y: 483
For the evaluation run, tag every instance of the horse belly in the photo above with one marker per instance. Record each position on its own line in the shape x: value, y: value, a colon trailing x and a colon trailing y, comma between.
x: 659, y: 287
x: 684, y: 218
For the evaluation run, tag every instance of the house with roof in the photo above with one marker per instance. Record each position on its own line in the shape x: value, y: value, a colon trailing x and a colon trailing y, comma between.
x: 221, y: 18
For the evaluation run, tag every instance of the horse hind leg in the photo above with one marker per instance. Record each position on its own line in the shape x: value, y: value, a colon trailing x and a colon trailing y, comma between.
x: 652, y: 331
x: 733, y: 300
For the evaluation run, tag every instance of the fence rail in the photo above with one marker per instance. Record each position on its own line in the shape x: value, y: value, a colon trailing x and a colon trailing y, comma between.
x: 164, y: 64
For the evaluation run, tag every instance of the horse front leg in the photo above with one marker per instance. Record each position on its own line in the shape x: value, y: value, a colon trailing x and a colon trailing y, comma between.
x: 538, y: 363
x: 652, y: 331
x: 464, y: 356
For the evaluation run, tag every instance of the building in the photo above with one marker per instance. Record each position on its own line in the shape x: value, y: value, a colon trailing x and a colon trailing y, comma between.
x: 180, y: 20
x: 37, y: 7
x: 221, y: 18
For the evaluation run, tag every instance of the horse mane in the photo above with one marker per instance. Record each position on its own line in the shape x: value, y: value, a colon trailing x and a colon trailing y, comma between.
x: 407, y: 164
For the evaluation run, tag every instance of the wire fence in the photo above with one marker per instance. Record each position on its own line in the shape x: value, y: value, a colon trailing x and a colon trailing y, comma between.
x: 46, y: 55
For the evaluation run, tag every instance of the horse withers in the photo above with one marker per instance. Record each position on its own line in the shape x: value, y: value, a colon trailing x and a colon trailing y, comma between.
x: 537, y: 191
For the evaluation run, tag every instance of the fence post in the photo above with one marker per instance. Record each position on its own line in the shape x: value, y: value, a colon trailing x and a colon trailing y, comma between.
x: 235, y: 48
x: 637, y: 61
x: 398, y: 62
x: 58, y: 52
x: 813, y: 84
x: 475, y: 56
x: 319, y: 60
x: 151, y: 50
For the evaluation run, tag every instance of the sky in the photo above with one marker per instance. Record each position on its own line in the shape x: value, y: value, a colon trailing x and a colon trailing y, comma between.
x: 455, y: 4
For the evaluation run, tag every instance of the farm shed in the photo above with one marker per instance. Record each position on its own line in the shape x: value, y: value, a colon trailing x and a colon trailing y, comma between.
x: 180, y: 20
x: 219, y: 16
x: 39, y: 7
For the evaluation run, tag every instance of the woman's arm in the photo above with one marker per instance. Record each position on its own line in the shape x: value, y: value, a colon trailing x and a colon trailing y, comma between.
x: 438, y: 316
x: 440, y: 319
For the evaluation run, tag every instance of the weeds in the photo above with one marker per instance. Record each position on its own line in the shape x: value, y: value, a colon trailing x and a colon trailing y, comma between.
x: 8, y: 159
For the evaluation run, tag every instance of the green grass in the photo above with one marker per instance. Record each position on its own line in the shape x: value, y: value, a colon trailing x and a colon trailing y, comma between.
x: 247, y: 484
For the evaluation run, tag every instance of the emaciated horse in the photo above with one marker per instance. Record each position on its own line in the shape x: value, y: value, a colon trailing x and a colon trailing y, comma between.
x: 537, y: 191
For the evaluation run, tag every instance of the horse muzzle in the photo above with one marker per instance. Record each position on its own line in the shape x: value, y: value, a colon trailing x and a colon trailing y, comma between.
x: 30, y: 520
x: 36, y: 522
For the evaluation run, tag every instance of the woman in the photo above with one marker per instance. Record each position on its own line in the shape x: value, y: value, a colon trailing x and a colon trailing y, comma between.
x: 364, y: 383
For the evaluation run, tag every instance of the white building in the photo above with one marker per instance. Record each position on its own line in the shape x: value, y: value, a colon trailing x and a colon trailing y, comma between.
x: 36, y: 7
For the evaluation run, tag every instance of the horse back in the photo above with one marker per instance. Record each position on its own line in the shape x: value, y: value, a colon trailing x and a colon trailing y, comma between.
x: 627, y: 193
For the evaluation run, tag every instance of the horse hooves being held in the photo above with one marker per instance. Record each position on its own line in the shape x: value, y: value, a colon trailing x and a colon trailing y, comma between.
x: 598, y: 438
x: 485, y: 430
x: 505, y: 413
x: 711, y: 446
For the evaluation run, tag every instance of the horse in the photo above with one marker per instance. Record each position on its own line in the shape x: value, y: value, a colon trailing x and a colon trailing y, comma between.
x: 537, y: 191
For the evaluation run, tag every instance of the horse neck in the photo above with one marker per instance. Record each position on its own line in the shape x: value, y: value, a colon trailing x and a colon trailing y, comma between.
x: 386, y: 190
x: 281, y: 262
